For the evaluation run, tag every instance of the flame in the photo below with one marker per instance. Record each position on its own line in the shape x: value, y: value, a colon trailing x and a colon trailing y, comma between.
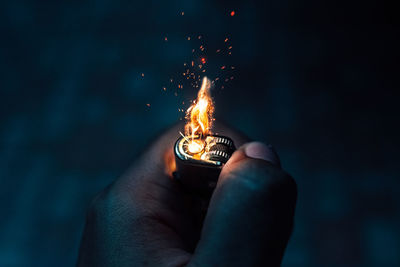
x: 199, y: 117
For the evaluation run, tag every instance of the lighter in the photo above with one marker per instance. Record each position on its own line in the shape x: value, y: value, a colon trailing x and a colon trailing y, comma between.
x: 199, y: 154
x: 198, y: 166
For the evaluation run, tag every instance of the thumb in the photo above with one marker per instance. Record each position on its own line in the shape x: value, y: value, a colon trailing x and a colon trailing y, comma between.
x: 250, y: 217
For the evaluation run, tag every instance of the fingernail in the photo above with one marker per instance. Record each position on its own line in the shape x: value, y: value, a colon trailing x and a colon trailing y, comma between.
x: 258, y: 150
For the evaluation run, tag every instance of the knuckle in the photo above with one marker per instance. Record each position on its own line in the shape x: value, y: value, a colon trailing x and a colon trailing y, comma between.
x: 114, y: 202
x: 101, y: 203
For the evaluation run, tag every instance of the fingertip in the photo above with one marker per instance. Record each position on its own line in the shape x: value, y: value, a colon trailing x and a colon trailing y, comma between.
x: 259, y: 150
x: 254, y: 150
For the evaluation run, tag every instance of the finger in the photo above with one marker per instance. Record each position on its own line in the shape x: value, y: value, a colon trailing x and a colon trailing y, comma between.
x: 250, y: 216
x: 139, y: 215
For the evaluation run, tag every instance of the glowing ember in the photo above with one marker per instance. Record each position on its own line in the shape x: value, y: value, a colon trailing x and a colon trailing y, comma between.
x: 203, y: 60
x: 195, y: 146
x: 232, y: 13
x: 200, y: 115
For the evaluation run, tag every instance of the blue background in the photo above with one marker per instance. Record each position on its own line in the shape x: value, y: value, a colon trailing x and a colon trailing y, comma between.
x: 317, y: 79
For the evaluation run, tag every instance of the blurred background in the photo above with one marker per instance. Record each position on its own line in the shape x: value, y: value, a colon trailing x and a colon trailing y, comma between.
x: 82, y: 94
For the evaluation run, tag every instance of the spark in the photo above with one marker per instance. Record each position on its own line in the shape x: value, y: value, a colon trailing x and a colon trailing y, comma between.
x: 183, y: 136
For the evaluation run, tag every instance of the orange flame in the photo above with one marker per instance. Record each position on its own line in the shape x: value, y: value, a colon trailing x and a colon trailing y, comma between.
x: 200, y: 115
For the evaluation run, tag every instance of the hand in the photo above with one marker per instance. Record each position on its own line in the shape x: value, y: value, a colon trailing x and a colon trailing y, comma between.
x: 146, y: 218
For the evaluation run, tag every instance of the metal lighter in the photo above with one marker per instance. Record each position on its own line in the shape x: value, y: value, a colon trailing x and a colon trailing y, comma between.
x: 198, y: 170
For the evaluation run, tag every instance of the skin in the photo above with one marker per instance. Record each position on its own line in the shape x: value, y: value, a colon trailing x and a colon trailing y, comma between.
x: 145, y: 218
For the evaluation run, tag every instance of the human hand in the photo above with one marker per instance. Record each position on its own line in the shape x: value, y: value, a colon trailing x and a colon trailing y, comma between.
x: 146, y: 218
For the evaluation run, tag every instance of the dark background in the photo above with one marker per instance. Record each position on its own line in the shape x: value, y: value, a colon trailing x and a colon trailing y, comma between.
x: 317, y: 79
